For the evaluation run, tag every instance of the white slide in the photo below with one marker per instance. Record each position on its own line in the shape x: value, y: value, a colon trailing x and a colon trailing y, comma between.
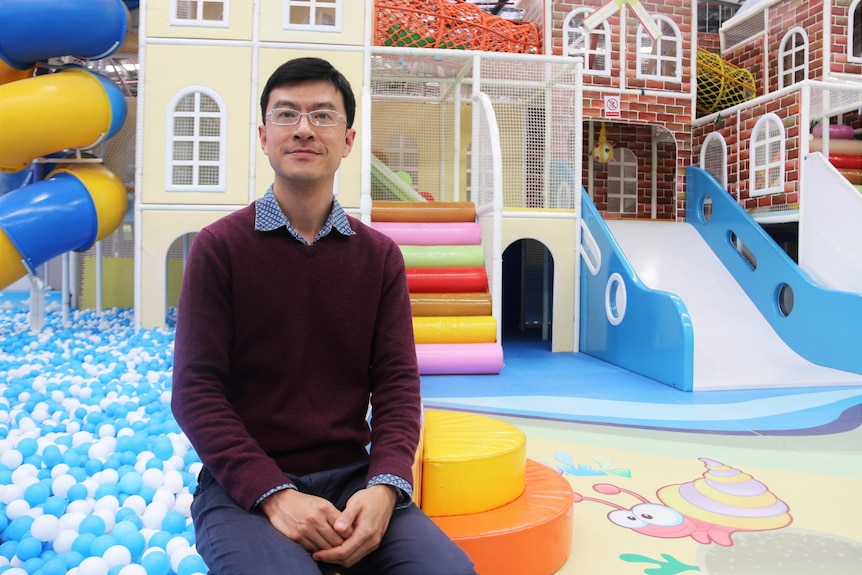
x: 734, y: 345
x: 830, y: 234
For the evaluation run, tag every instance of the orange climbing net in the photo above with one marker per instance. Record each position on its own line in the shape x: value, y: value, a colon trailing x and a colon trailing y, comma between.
x: 450, y: 24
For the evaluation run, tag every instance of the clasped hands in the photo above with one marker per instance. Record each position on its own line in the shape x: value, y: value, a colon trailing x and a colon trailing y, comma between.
x: 333, y: 536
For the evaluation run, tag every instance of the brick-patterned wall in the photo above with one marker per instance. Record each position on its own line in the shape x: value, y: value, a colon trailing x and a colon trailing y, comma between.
x: 638, y: 139
x: 709, y: 42
x: 736, y: 129
x: 840, y: 45
x: 805, y: 14
x: 673, y: 112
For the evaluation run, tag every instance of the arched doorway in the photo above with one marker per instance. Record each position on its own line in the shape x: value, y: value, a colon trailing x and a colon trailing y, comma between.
x: 528, y: 279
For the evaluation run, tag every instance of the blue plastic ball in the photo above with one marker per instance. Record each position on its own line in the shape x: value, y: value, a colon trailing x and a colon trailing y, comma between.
x: 92, y: 524
x: 191, y: 564
x: 156, y: 563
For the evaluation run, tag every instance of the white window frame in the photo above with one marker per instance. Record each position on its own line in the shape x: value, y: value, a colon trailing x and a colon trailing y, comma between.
x: 798, y: 53
x: 196, y: 140
x: 312, y: 6
x: 577, y: 41
x: 671, y: 38
x: 617, y: 180
x: 199, y: 21
x: 721, y: 143
x: 854, y: 23
x: 766, y: 160
x: 402, y: 155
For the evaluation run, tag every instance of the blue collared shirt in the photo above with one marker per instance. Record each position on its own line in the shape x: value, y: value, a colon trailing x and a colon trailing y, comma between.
x: 268, y: 216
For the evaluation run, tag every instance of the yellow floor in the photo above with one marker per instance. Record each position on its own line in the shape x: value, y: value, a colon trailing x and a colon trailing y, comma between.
x: 819, y: 477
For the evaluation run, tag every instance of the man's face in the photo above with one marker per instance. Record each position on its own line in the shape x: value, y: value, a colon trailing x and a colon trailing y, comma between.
x: 305, y: 153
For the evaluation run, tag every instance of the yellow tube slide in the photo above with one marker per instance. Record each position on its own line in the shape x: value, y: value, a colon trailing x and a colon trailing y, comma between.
x: 45, y: 114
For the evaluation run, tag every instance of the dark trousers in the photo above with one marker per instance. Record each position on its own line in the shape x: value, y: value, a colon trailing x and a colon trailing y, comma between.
x: 234, y: 541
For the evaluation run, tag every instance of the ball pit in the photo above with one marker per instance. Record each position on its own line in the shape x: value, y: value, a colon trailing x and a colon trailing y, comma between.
x: 96, y: 477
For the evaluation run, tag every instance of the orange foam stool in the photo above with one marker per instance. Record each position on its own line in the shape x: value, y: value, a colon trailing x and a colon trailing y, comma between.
x: 532, y: 535
x: 472, y: 463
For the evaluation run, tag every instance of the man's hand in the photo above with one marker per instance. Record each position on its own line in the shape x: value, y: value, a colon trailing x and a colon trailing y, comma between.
x: 306, y: 519
x: 362, y: 525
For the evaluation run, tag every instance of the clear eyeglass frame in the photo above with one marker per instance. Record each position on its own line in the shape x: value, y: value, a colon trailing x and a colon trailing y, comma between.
x: 291, y: 117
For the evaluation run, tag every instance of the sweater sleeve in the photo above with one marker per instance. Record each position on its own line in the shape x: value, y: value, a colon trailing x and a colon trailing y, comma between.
x: 201, y: 377
x: 395, y: 390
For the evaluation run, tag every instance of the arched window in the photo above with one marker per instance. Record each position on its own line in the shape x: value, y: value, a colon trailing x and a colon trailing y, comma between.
x: 211, y: 13
x: 713, y: 157
x: 660, y: 59
x: 854, y: 31
x: 319, y: 15
x: 793, y: 58
x: 767, y: 156
x: 594, y: 47
x: 623, y: 182
x: 196, y: 142
x: 402, y: 155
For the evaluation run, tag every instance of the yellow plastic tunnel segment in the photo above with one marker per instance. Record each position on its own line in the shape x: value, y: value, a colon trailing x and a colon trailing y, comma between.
x: 46, y: 114
x: 107, y: 192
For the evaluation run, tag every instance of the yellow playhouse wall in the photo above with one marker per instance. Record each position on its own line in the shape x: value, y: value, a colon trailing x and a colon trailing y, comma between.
x: 240, y: 20
x: 225, y: 70
x: 160, y: 229
x: 351, y: 33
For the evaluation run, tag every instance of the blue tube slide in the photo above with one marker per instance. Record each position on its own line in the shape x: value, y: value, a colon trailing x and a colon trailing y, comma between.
x: 70, y: 210
x: 35, y: 30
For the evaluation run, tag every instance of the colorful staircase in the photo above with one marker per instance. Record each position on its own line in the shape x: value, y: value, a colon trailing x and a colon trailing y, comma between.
x: 453, y: 326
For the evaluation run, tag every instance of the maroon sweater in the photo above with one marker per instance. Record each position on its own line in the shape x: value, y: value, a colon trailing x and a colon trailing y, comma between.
x: 279, y: 346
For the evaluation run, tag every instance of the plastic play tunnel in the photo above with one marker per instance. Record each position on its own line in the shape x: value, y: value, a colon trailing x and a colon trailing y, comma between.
x: 72, y: 108
x: 71, y: 209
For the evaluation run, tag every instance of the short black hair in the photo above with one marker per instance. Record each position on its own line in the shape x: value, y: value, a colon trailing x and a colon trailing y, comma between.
x: 305, y: 69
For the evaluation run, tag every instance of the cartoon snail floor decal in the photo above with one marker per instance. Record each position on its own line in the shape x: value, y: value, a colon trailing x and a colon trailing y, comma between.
x: 709, y: 509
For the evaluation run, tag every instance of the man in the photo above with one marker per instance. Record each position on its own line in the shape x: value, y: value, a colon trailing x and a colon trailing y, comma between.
x: 291, y: 317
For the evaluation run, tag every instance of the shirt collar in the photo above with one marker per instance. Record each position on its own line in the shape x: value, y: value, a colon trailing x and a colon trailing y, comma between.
x: 268, y: 216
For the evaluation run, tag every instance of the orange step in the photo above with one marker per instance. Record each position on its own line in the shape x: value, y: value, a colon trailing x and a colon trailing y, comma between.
x: 531, y: 535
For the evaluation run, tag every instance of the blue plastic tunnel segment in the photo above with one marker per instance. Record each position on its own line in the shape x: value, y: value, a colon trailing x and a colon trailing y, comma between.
x: 36, y: 30
x: 117, y: 101
x: 49, y: 218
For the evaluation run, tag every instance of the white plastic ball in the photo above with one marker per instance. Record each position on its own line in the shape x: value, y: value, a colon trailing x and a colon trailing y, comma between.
x: 154, y: 478
x: 154, y: 515
x: 117, y: 555
x: 61, y: 484
x: 46, y: 528
x: 63, y: 542
x: 72, y: 520
x: 179, y: 553
x: 137, y: 503
x: 12, y: 458
x: 183, y: 503
x: 17, y: 508
x: 93, y: 566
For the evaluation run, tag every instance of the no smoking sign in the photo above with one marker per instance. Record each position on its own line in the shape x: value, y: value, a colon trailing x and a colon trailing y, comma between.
x: 612, y: 106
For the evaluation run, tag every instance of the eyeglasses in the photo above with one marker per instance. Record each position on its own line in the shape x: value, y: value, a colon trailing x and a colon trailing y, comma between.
x: 288, y: 117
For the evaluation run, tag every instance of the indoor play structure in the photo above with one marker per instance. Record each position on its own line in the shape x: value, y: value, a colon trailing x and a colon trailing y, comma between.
x: 80, y: 202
